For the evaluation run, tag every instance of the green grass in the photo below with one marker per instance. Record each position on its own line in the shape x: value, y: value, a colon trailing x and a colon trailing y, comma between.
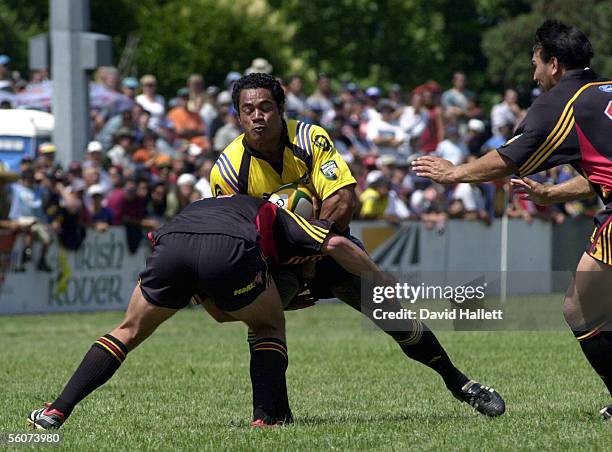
x: 187, y: 387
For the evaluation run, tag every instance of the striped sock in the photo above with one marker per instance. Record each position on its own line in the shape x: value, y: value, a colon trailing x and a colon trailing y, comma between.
x: 250, y: 339
x: 98, y: 366
x: 596, y: 344
x: 422, y: 345
x: 269, y: 362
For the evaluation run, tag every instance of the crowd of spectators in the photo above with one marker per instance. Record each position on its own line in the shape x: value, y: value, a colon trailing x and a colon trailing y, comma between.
x: 147, y: 161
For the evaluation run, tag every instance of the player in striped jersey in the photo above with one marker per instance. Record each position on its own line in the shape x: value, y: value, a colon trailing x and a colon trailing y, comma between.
x: 218, y: 251
x: 570, y: 123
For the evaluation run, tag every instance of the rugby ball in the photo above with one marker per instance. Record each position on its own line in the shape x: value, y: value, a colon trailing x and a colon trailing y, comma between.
x: 294, y: 197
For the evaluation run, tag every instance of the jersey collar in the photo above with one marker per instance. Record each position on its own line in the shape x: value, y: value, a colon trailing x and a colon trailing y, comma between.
x: 278, y: 166
x: 577, y: 74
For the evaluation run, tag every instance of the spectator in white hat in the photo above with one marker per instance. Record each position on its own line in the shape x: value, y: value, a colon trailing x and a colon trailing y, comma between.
x: 101, y: 217
x: 476, y: 136
x: 259, y: 65
x: 95, y: 159
x: 184, y: 193
x: 385, y: 132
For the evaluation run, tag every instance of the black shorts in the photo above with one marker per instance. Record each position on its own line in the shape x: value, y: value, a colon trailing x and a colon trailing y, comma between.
x: 600, y: 247
x: 231, y: 270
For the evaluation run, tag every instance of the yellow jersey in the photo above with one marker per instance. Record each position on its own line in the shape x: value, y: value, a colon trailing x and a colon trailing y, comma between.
x: 309, y: 158
x: 373, y: 205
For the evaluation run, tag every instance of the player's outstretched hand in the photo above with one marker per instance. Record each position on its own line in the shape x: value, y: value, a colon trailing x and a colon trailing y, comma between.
x: 530, y: 190
x: 435, y: 168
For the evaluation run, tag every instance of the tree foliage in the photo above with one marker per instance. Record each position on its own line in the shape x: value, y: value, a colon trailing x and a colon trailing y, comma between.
x: 508, y: 45
x: 116, y: 18
x: 210, y: 37
x: 400, y: 41
x: 18, y: 22
x: 370, y: 41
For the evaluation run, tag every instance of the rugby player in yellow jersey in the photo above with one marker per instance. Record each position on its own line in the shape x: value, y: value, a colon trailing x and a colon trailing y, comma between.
x: 272, y: 152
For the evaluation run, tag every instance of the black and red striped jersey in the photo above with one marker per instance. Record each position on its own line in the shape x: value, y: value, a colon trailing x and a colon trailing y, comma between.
x: 569, y: 124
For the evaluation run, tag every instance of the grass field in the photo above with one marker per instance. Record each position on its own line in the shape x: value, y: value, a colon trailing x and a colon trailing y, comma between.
x: 187, y: 388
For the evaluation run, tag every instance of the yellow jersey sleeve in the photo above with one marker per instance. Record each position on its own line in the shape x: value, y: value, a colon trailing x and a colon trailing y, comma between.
x: 223, y: 177
x: 329, y: 170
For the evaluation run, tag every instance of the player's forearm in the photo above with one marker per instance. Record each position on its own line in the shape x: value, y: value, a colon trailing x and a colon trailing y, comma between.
x: 489, y: 167
x: 576, y: 188
x: 352, y: 258
x: 339, y: 207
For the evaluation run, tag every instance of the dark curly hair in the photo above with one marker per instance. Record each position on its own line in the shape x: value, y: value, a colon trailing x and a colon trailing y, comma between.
x: 568, y: 44
x: 257, y: 80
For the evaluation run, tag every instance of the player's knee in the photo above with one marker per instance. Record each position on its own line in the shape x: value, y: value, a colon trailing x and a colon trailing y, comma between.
x: 572, y: 312
x: 131, y: 334
x: 335, y: 243
x: 568, y: 307
x: 272, y: 327
x: 278, y: 333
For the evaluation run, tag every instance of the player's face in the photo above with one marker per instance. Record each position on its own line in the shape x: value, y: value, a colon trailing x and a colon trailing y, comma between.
x: 543, y: 73
x: 260, y: 117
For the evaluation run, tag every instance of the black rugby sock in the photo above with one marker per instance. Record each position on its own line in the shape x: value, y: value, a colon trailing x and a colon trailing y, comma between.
x: 422, y: 345
x: 418, y: 343
x: 268, y: 366
x: 98, y: 366
x: 596, y: 345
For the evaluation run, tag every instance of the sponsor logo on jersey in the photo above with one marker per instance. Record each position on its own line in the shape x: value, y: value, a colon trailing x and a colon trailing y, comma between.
x: 608, y: 110
x: 606, y: 88
x: 329, y: 170
x: 322, y: 143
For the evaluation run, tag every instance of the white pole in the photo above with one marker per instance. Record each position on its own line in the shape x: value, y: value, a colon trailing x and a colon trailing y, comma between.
x: 68, y: 19
x: 503, y: 264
